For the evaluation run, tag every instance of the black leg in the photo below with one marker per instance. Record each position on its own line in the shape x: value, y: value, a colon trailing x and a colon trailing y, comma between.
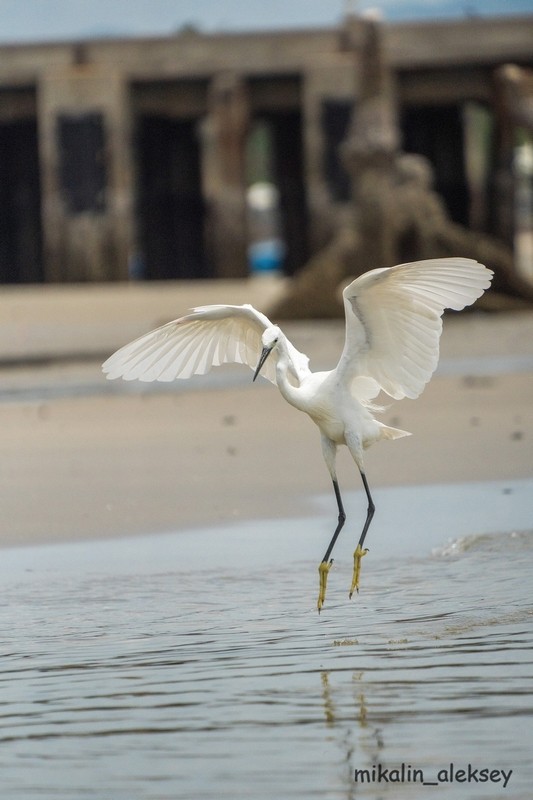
x: 325, y: 564
x: 359, y: 552
x: 340, y: 523
x: 369, y: 512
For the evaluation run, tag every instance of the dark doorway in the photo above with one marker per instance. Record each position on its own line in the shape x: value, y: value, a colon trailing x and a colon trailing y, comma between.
x: 336, y: 116
x: 82, y: 164
x: 171, y: 208
x: 288, y: 175
x: 436, y: 132
x: 20, y: 204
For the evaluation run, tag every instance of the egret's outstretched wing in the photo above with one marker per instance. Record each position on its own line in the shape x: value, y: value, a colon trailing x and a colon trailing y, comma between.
x: 207, y: 337
x: 393, y: 319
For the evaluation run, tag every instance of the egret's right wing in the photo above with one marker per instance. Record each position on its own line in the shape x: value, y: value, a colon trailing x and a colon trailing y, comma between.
x: 205, y: 338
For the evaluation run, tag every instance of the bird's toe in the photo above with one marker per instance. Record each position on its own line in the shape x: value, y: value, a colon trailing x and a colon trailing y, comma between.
x: 323, y: 572
x: 357, y: 556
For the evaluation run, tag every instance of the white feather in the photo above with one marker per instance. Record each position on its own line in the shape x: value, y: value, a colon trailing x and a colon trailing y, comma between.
x: 191, y: 345
x: 393, y: 319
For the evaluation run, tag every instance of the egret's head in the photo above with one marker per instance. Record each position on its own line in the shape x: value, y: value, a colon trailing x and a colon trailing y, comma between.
x: 270, y: 337
x: 269, y: 340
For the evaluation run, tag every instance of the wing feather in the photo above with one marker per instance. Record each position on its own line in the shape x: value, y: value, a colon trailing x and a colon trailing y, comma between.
x: 393, y: 319
x: 191, y: 345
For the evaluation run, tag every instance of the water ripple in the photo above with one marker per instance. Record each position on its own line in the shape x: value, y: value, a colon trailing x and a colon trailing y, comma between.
x: 218, y: 682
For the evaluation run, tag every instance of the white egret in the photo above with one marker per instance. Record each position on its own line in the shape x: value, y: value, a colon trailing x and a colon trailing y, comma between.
x: 393, y: 327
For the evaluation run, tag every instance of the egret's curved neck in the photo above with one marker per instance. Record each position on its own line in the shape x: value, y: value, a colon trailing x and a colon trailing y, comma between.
x: 290, y: 393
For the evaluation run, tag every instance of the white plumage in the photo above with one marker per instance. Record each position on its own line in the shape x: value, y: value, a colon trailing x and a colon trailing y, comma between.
x: 207, y: 337
x: 393, y: 318
x: 393, y: 327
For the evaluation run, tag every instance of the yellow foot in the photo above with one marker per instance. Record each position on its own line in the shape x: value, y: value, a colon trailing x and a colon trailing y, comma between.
x: 357, y: 556
x: 323, y: 570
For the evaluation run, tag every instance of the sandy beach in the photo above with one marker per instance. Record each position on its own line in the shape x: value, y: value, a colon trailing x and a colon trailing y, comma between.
x: 83, y: 458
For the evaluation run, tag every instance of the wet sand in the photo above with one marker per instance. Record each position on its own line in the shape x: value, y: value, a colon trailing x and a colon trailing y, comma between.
x: 83, y: 462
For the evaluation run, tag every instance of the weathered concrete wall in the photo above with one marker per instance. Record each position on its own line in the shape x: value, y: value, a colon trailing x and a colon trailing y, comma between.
x: 225, y: 129
x: 92, y: 243
x: 241, y: 76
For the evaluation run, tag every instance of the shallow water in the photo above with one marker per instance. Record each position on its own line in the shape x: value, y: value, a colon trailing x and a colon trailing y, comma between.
x: 194, y: 665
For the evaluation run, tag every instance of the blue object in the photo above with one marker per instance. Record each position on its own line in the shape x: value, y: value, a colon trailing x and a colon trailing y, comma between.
x: 266, y: 256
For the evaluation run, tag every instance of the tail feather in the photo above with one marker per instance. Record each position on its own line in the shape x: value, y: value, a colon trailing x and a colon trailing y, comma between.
x: 392, y: 433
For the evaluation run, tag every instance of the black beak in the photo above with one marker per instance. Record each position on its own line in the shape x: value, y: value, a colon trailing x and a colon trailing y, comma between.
x: 264, y: 355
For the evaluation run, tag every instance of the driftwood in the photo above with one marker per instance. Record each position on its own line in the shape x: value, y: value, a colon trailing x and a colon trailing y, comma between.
x: 420, y: 228
x: 395, y: 215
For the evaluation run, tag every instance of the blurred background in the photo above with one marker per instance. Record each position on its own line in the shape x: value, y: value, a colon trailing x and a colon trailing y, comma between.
x: 189, y: 140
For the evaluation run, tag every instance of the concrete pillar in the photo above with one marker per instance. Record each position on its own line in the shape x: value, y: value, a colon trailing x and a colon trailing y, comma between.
x: 501, y: 203
x: 372, y: 146
x: 331, y: 78
x: 224, y: 175
x: 86, y: 175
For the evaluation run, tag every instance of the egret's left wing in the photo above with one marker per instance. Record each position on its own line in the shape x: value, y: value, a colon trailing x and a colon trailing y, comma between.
x: 205, y: 338
x: 393, y: 319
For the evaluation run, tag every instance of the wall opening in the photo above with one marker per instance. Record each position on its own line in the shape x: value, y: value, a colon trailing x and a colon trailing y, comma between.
x: 82, y: 164
x: 20, y: 203
x: 276, y: 158
x: 276, y: 155
x: 437, y: 133
x: 171, y: 208
x: 336, y: 116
